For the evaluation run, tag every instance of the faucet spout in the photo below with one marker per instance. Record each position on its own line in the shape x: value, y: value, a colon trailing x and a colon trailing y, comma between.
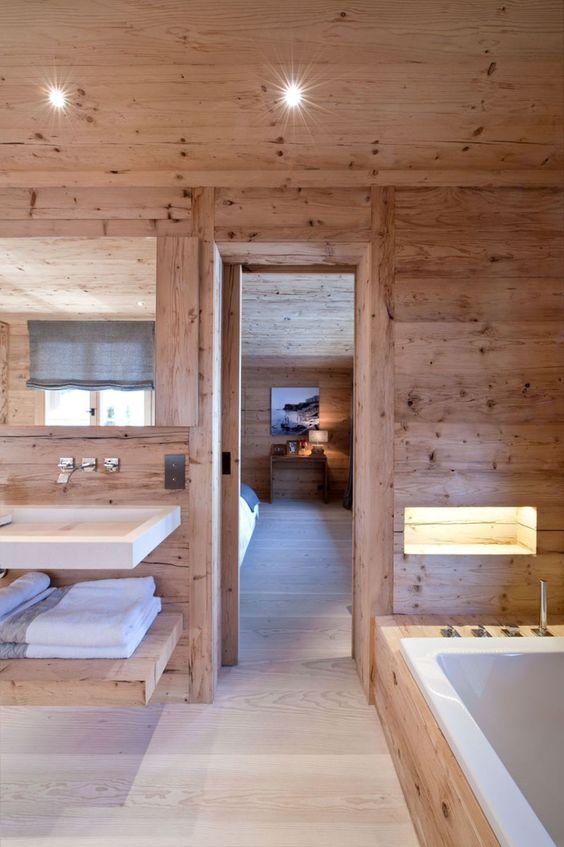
x: 543, y: 610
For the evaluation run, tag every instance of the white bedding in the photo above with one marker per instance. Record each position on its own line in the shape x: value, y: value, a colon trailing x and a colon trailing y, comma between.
x: 247, y: 523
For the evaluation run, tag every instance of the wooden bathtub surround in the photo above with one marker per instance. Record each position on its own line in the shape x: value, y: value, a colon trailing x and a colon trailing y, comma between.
x: 443, y: 807
x: 93, y: 682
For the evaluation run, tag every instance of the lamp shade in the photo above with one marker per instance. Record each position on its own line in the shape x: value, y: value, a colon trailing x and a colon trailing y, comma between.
x: 318, y: 436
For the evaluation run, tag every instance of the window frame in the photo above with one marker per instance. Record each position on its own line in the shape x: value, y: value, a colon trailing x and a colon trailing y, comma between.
x: 94, y: 398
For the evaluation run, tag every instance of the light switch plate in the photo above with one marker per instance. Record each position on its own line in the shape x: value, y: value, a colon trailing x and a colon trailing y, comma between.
x: 175, y: 471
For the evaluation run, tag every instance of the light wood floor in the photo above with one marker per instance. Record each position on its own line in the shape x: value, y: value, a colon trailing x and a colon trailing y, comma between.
x: 289, y: 755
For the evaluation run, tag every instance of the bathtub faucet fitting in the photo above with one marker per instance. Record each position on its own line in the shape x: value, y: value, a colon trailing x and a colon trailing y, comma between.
x: 542, y: 629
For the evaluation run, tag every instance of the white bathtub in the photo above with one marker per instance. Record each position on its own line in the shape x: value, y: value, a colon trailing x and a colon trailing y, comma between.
x: 500, y: 705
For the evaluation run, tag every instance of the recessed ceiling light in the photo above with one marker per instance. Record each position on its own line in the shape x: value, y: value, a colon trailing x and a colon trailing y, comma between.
x: 57, y: 97
x: 293, y: 95
x: 140, y: 302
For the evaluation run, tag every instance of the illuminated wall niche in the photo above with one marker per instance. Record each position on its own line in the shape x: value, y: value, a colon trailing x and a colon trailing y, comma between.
x: 463, y: 530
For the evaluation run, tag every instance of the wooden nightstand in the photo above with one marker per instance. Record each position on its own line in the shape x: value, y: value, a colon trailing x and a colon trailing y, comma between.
x: 301, y: 462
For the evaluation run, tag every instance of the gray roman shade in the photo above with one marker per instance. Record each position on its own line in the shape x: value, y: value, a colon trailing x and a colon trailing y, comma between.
x: 91, y: 355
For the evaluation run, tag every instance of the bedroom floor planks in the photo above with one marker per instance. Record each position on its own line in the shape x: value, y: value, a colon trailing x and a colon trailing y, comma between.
x: 289, y: 755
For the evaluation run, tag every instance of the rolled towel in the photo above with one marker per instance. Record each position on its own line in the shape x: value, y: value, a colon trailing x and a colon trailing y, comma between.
x: 22, y: 589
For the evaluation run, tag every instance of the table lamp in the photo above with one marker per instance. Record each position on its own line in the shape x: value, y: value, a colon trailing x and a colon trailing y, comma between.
x: 317, y: 437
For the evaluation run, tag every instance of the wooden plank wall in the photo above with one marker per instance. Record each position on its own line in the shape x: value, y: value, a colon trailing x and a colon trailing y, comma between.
x: 4, y: 365
x: 176, y: 332
x: 28, y: 474
x: 20, y: 401
x: 335, y: 415
x: 479, y: 386
x: 204, y: 485
x: 373, y: 433
x: 476, y: 315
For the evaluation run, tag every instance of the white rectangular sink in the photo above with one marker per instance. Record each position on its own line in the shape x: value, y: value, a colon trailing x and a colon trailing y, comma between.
x: 82, y: 537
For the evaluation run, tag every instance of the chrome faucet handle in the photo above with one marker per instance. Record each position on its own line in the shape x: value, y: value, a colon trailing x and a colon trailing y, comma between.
x: 66, y: 464
x: 512, y: 631
x: 480, y: 631
x: 450, y: 632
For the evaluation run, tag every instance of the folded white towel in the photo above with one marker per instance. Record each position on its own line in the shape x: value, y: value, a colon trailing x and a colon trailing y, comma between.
x: 101, y: 613
x: 68, y: 651
x: 111, y: 651
x: 22, y: 589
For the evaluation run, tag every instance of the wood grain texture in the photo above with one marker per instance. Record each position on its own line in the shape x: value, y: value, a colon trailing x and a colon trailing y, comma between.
x: 473, y: 91
x: 230, y: 443
x: 204, y: 487
x: 289, y: 753
x: 93, y: 682
x: 374, y: 421
x: 28, y: 473
x: 4, y: 365
x: 177, y: 336
x: 335, y: 385
x: 78, y: 277
x: 300, y: 316
x: 442, y: 805
x: 479, y: 408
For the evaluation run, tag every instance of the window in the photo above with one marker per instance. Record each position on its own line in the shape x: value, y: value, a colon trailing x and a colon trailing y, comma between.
x: 73, y: 407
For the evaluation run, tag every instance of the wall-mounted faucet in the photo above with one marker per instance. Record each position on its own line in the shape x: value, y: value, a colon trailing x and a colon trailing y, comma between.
x: 67, y: 467
x: 542, y: 629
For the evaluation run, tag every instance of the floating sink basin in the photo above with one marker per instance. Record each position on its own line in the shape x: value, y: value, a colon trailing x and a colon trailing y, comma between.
x: 82, y: 537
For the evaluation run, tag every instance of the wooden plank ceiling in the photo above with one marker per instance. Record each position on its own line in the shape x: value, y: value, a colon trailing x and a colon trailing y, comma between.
x: 78, y: 277
x: 185, y: 90
x: 299, y: 317
x: 294, y: 315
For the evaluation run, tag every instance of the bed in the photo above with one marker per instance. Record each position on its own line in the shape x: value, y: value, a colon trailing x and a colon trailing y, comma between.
x: 248, y: 514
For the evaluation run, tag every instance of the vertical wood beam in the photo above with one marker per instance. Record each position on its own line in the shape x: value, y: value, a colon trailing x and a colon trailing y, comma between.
x: 177, y: 332
x: 4, y: 338
x: 204, y: 497
x: 231, y: 442
x: 373, y: 434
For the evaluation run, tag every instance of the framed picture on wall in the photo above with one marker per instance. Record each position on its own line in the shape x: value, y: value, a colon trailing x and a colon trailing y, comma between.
x: 294, y: 411
x: 278, y: 450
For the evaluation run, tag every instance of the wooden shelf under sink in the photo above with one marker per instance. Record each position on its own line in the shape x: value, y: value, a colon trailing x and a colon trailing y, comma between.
x: 93, y: 682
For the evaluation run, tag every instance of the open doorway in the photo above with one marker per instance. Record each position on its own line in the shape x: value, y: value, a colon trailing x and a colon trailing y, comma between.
x: 296, y: 386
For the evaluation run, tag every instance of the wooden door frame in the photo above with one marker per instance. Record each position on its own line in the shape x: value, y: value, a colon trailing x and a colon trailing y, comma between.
x: 231, y: 449
x: 372, y: 264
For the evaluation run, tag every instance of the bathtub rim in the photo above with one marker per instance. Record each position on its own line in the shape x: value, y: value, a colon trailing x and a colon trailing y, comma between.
x: 506, y: 808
